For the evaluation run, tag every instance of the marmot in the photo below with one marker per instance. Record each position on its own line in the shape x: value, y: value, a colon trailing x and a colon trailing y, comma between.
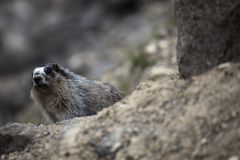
x: 62, y: 94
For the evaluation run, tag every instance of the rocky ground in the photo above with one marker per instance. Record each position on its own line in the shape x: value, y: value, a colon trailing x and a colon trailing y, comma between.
x: 166, y: 118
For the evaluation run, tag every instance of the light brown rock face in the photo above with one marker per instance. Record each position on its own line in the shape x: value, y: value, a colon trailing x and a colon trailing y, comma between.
x: 167, y: 118
x: 209, y: 34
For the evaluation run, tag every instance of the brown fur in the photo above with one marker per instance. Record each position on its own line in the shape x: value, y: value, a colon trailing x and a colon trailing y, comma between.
x: 70, y: 95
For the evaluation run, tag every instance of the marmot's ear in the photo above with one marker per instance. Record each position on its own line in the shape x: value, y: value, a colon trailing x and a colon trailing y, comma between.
x: 55, y: 67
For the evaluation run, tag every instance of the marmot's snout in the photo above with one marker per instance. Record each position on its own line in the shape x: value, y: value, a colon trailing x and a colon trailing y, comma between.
x: 41, y: 75
x: 37, y: 80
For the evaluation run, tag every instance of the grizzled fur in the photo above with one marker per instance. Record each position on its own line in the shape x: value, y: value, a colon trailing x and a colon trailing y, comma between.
x: 62, y: 94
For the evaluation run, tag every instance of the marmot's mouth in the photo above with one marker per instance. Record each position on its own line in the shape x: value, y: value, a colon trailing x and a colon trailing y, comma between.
x: 39, y: 85
x: 38, y: 82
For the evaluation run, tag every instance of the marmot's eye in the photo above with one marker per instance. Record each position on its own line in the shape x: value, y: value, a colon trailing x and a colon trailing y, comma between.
x: 48, y: 69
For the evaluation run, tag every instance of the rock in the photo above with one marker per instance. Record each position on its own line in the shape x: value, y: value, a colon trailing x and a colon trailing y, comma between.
x: 165, y: 118
x: 22, y: 138
x: 208, y: 34
x: 157, y: 71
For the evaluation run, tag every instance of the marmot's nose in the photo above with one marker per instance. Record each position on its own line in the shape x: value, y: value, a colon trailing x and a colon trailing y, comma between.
x: 37, y: 79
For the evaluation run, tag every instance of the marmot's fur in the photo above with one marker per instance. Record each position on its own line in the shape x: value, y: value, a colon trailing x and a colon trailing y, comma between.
x: 62, y: 94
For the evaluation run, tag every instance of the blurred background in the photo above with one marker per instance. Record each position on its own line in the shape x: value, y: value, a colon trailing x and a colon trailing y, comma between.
x: 117, y: 41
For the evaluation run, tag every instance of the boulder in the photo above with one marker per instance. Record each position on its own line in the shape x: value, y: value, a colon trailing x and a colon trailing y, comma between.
x: 208, y: 34
x: 166, y: 118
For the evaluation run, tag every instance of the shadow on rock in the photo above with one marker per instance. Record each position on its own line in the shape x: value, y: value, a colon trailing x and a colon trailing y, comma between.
x: 10, y: 143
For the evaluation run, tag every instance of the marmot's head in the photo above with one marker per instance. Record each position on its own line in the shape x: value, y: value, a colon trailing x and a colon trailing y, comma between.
x: 47, y: 77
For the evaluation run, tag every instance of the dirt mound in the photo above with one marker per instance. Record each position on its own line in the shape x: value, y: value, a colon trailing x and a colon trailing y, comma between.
x: 166, y: 118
